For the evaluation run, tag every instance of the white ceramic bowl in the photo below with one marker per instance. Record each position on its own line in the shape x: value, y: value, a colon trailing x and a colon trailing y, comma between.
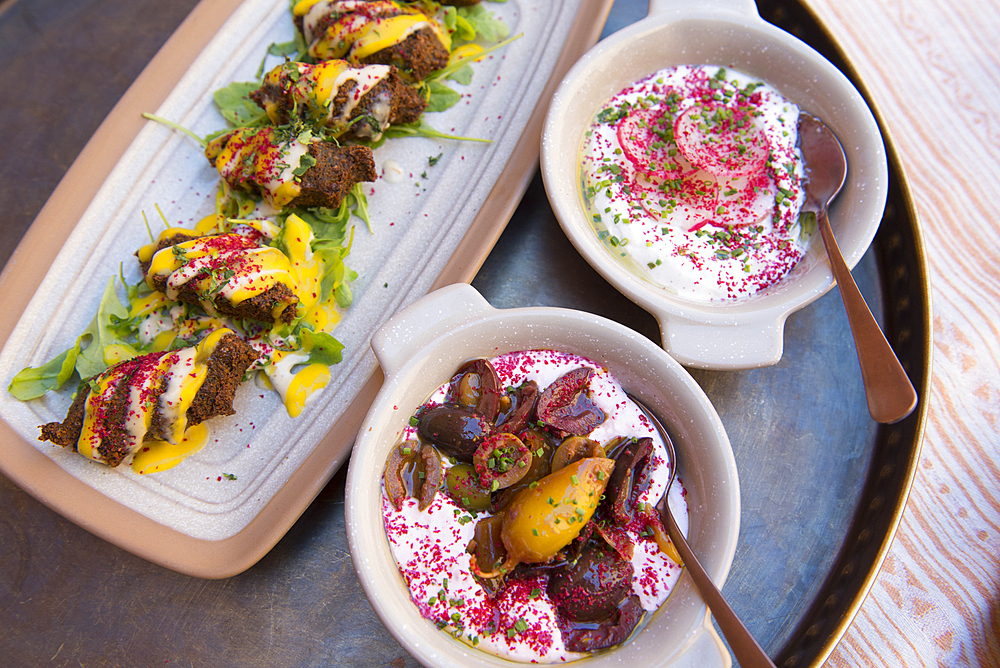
x: 730, y: 33
x: 419, y: 349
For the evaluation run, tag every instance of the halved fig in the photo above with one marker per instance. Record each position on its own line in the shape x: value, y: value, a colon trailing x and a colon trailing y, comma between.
x: 565, y: 404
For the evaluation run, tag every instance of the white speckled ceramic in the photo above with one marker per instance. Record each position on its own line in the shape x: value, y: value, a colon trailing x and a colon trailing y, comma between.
x: 420, y: 348
x: 718, y: 335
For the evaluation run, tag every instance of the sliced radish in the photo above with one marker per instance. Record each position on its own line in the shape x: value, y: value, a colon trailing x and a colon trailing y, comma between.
x: 745, y: 200
x: 686, y: 201
x: 722, y: 140
x: 646, y: 138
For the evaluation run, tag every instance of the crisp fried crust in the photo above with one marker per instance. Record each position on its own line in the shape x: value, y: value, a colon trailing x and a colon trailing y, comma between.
x: 226, y: 367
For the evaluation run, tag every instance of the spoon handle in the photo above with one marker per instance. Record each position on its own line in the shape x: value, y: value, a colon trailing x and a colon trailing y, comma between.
x: 891, y: 396
x: 748, y: 653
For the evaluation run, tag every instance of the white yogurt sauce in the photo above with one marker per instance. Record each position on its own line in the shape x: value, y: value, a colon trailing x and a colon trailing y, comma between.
x: 430, y: 546
x: 682, y: 216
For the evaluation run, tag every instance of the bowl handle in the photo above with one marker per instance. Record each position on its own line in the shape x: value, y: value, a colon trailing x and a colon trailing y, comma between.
x: 706, y: 650
x: 748, y: 345
x: 426, y: 319
x: 745, y: 7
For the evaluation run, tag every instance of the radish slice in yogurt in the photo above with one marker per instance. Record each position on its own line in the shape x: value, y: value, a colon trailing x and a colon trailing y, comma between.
x: 745, y: 200
x: 721, y: 140
x: 645, y: 136
x: 690, y: 199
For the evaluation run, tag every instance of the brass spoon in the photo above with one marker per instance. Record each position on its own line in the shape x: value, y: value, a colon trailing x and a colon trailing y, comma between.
x: 744, y: 646
x: 891, y: 396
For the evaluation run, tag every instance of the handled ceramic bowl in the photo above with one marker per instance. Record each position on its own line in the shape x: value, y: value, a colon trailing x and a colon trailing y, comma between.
x: 420, y: 348
x: 730, y: 33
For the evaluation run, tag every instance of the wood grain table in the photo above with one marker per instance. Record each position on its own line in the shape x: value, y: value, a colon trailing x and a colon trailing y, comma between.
x: 931, y: 67
x: 933, y: 70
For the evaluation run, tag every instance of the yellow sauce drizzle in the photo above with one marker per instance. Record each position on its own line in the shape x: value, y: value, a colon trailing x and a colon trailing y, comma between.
x: 356, y: 37
x: 156, y: 456
x: 305, y: 383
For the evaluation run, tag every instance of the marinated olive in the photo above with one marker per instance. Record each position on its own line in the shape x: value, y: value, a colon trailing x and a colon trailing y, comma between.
x: 541, y: 447
x: 488, y: 552
x: 590, y: 588
x: 575, y: 448
x: 456, y: 430
x: 630, y: 461
x: 543, y: 519
x: 500, y: 461
x: 414, y: 470
x: 478, y: 388
x: 469, y: 386
x: 461, y: 480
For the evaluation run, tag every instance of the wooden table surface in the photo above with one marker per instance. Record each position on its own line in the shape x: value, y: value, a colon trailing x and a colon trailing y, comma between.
x: 932, y: 69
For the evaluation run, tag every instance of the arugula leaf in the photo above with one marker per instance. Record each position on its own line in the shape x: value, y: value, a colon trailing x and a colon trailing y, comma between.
x: 282, y: 50
x: 101, y: 335
x: 87, y: 356
x: 236, y: 107
x: 457, y: 63
x: 441, y: 97
x: 33, y: 382
x: 329, y: 226
x: 360, y: 205
x: 420, y: 128
x: 344, y: 293
x: 336, y: 275
x: 458, y: 25
x: 322, y: 347
x: 462, y: 75
x: 483, y: 22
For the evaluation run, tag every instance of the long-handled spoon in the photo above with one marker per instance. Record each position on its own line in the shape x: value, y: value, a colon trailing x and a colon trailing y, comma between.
x: 744, y: 646
x: 891, y: 396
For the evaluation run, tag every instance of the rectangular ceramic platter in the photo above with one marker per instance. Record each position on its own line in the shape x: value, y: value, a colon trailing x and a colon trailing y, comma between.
x: 418, y: 220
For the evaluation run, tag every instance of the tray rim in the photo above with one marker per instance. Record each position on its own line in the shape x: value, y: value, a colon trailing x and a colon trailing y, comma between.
x: 55, y: 488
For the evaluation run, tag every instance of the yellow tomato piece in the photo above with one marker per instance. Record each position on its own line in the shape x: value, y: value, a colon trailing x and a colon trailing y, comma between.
x: 542, y: 520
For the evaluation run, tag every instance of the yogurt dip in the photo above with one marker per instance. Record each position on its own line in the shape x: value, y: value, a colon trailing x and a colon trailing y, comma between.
x: 692, y: 177
x: 521, y: 622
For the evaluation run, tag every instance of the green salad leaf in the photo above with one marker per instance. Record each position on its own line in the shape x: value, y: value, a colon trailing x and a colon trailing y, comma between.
x: 237, y: 108
x: 440, y: 96
x: 87, y: 357
x: 322, y: 347
x: 33, y: 382
x: 482, y: 22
